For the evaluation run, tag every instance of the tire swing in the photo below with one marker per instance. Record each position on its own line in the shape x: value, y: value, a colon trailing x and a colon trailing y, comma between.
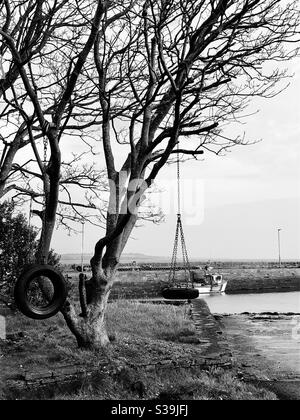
x: 41, y: 290
x: 176, y: 289
x: 29, y: 297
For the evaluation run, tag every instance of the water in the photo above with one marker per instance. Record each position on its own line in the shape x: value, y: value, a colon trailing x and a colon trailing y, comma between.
x: 275, y: 341
x: 254, y: 302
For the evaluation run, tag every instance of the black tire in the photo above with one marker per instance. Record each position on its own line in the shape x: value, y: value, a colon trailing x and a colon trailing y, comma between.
x: 60, y: 292
x: 180, y: 293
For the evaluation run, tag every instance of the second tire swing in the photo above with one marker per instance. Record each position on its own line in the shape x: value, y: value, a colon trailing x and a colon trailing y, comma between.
x: 176, y: 289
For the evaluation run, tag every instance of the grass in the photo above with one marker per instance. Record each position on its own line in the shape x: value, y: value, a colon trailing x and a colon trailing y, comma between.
x: 144, y: 334
x: 216, y: 384
x: 164, y: 322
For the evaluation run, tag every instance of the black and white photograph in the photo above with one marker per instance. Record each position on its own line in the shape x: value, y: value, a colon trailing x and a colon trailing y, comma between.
x: 149, y: 203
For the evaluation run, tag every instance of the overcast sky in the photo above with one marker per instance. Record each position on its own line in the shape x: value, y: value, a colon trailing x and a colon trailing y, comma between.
x: 233, y: 205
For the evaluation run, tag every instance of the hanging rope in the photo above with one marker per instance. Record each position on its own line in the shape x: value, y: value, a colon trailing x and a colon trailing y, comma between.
x: 179, y: 236
x: 31, y: 245
x: 178, y: 183
x: 45, y: 150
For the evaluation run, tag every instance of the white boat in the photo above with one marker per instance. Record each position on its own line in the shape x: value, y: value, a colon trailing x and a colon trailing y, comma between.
x: 210, y: 283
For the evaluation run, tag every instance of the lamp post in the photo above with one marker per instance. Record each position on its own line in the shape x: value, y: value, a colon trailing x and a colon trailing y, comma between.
x: 279, y: 253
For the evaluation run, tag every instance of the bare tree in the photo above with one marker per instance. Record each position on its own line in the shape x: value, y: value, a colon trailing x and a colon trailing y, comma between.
x: 169, y: 70
x: 47, y: 46
x: 163, y: 71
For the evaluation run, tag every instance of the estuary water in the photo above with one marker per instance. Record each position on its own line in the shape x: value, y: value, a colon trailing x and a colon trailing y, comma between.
x: 267, y: 347
x: 254, y: 303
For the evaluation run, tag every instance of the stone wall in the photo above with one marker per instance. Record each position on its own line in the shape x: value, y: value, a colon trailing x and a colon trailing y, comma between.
x: 262, y: 280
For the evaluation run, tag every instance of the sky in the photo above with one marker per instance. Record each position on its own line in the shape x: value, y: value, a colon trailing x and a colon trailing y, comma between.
x: 233, y: 205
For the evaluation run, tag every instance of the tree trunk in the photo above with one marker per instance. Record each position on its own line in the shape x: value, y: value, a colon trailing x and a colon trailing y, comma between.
x: 92, y: 333
x: 51, y: 179
x: 45, y: 241
x: 2, y: 186
x: 90, y: 327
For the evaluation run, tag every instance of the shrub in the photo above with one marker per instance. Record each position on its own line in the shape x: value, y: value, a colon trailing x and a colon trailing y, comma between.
x: 18, y: 246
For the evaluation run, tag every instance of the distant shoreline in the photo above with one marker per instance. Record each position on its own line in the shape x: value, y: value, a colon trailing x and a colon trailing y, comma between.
x: 69, y: 259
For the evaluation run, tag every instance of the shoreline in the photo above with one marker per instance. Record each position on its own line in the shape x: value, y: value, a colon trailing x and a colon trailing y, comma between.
x: 265, y: 353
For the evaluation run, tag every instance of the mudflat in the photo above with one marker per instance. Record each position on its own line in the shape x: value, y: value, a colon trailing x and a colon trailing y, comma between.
x: 266, y: 349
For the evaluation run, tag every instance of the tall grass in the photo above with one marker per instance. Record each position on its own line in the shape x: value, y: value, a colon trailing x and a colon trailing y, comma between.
x: 164, y: 322
x: 216, y: 384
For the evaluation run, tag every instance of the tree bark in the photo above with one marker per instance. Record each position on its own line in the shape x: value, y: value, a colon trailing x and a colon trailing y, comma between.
x: 90, y: 328
x: 8, y: 159
x: 51, y: 190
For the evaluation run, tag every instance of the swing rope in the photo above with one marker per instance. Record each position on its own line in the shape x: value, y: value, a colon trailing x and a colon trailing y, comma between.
x: 179, y: 236
x: 30, y: 257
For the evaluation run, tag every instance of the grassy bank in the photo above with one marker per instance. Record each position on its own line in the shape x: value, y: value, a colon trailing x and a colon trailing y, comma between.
x: 143, y: 336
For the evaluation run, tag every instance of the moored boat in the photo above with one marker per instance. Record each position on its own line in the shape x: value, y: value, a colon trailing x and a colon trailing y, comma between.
x: 210, y: 283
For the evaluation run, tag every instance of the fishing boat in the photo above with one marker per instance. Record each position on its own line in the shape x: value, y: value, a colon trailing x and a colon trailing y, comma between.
x: 209, y: 283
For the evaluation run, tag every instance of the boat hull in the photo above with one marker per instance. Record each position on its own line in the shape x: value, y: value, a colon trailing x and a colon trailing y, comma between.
x: 180, y: 293
x: 207, y: 289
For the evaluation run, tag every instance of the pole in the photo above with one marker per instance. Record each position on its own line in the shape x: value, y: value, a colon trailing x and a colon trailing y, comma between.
x: 279, y: 253
x: 82, y: 245
x: 30, y: 244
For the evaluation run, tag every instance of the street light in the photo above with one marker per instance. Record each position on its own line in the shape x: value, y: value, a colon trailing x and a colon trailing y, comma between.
x: 279, y: 256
